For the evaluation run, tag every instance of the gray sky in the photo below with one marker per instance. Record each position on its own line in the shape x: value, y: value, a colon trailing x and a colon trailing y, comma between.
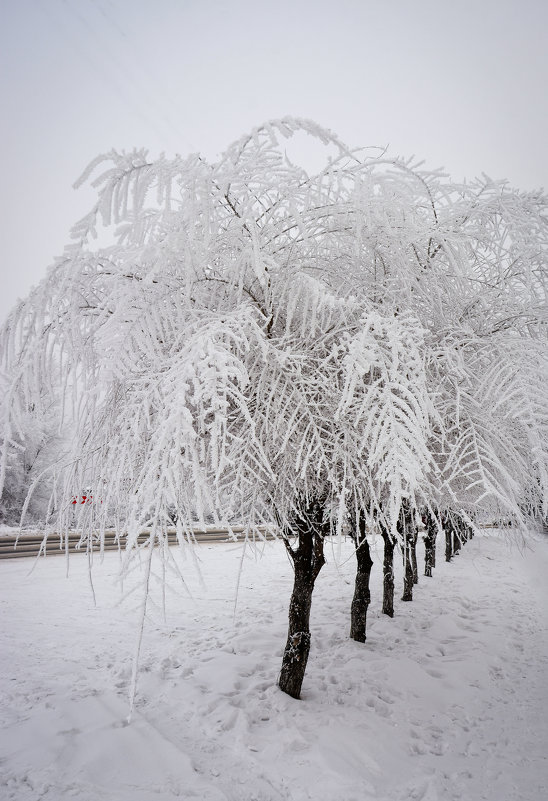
x: 462, y: 84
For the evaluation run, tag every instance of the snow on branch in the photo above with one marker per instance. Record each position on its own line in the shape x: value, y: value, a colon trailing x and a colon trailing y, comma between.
x: 257, y: 334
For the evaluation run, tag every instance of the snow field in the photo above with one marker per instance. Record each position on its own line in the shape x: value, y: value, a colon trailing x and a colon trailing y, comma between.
x: 446, y: 701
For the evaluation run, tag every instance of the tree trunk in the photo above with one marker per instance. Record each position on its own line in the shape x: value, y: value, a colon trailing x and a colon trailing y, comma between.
x: 464, y: 530
x: 448, y: 531
x: 407, y: 570
x: 408, y: 530
x: 414, y: 565
x: 297, y: 647
x: 308, y: 559
x: 362, y: 595
x: 429, y: 543
x: 457, y: 540
x: 388, y: 573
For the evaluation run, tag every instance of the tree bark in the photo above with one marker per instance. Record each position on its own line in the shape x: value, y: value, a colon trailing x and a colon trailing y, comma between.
x: 407, y: 571
x: 448, y: 531
x: 464, y: 531
x: 408, y: 530
x: 457, y: 540
x: 388, y: 573
x: 429, y: 543
x: 362, y: 595
x: 414, y: 566
x: 308, y: 559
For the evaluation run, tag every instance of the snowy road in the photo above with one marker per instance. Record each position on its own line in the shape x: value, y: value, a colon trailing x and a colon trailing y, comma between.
x: 15, y: 546
x: 446, y: 701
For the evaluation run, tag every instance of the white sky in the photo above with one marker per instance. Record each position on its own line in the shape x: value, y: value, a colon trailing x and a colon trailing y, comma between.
x: 460, y: 83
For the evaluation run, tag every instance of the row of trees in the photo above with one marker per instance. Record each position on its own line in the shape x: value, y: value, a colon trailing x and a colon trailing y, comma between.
x: 307, y: 351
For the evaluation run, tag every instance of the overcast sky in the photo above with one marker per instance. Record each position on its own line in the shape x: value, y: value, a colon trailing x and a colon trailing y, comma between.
x: 462, y: 84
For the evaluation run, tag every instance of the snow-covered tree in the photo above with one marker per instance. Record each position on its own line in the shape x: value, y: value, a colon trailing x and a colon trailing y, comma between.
x: 31, y: 447
x: 269, y: 346
x: 469, y: 261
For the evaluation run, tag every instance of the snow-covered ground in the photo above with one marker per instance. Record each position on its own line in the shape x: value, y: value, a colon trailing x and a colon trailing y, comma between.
x: 446, y: 701
x: 13, y: 531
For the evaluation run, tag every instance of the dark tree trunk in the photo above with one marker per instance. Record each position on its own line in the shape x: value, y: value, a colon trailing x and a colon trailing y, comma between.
x: 466, y: 531
x: 297, y: 648
x: 429, y: 542
x: 448, y: 531
x: 308, y: 559
x: 408, y: 530
x: 414, y: 565
x: 388, y: 573
x: 362, y: 595
x: 407, y: 571
x: 457, y: 540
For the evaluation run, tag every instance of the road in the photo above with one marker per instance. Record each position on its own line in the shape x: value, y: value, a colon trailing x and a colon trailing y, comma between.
x: 33, y: 544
